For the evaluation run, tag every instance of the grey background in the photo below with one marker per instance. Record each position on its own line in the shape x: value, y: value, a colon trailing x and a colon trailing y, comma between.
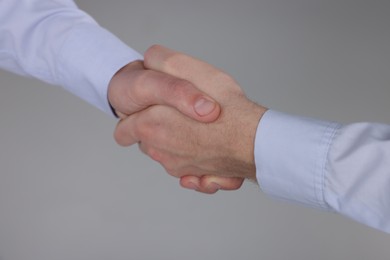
x: 67, y: 191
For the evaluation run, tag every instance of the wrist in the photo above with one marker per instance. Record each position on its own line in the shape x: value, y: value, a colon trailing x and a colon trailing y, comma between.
x: 248, y: 128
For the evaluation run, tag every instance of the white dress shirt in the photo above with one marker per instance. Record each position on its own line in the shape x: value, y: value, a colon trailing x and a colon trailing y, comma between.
x: 345, y: 169
x: 58, y: 43
x: 340, y: 168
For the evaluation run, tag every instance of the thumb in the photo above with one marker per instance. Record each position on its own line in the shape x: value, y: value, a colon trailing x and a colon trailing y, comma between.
x: 133, y: 89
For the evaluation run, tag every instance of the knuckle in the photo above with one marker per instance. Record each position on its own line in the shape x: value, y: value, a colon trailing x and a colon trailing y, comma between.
x: 151, y: 51
x: 146, y: 127
x: 170, y: 167
x: 169, y: 59
x: 154, y: 154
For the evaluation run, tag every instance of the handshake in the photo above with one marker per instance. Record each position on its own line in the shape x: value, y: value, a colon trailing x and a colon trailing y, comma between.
x: 189, y: 116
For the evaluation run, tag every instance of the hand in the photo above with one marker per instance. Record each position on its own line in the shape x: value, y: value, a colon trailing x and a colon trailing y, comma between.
x: 133, y: 88
x: 188, y: 148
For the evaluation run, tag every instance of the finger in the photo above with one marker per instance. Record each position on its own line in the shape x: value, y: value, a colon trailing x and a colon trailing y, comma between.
x: 147, y: 126
x: 180, y: 65
x: 155, y: 88
x: 125, y: 134
x: 119, y: 88
x: 194, y: 183
x: 190, y: 182
x: 134, y: 89
x: 210, y: 184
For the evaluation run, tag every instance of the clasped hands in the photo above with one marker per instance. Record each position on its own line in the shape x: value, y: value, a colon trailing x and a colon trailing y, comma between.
x: 189, y: 116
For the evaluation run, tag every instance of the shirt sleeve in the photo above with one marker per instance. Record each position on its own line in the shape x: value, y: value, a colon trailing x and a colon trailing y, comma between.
x: 58, y: 43
x: 326, y: 165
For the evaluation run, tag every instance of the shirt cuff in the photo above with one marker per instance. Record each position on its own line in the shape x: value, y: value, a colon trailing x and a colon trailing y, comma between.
x: 88, y: 60
x: 290, y: 156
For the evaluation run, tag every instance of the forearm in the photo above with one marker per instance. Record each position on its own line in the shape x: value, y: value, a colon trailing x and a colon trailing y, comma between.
x: 358, y: 174
x: 58, y: 43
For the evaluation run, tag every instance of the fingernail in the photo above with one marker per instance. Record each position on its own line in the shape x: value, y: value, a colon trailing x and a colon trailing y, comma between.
x: 192, y: 186
x: 204, y: 106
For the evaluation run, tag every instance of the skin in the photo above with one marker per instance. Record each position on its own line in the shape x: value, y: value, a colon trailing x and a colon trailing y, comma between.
x: 206, y: 156
x: 135, y: 88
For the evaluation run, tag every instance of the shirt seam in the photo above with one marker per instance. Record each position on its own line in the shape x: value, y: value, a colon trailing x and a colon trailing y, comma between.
x: 328, y: 137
